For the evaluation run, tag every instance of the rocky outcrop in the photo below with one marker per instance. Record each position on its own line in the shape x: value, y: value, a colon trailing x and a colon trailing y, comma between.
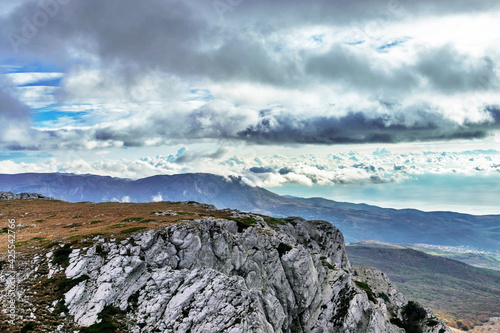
x: 215, y: 275
x: 221, y: 275
x: 24, y: 196
x: 408, y: 315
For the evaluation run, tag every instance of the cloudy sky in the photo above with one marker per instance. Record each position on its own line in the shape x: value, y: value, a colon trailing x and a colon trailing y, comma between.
x: 390, y: 102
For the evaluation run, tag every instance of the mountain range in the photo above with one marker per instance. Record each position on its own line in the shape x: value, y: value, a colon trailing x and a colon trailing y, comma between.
x: 356, y: 221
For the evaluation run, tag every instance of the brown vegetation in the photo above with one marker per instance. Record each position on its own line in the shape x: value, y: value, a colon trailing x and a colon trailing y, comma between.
x: 41, y: 222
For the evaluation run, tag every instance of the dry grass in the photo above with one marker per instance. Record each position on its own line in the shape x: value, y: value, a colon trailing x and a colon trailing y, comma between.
x: 57, y: 221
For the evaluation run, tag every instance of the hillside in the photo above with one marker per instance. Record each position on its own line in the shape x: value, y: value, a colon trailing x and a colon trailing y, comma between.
x: 357, y: 222
x: 480, y: 259
x: 457, y: 291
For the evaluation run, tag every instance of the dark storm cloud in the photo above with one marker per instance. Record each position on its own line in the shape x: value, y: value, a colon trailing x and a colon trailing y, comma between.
x: 128, y: 36
x: 11, y: 109
x: 15, y: 117
x: 261, y: 170
x: 197, y: 40
x: 285, y: 171
x: 412, y: 124
x: 444, y: 69
x: 450, y: 71
x: 193, y: 156
x: 187, y: 38
x: 494, y: 111
x: 356, y: 127
x: 343, y: 12
x: 345, y: 67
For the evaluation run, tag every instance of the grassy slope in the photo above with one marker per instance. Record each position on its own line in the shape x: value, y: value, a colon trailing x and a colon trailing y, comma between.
x: 455, y: 290
x: 40, y: 222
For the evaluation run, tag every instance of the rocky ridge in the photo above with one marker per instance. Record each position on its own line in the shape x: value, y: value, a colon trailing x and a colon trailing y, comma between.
x: 242, y: 274
x: 22, y: 196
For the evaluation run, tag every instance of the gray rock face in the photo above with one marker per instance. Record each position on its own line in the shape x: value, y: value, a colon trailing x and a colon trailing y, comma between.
x: 215, y: 275
x: 396, y: 302
x: 24, y: 196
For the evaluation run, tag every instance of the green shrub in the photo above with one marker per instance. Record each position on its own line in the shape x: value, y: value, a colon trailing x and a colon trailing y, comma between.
x: 134, y: 229
x: 65, y: 285
x: 432, y: 322
x: 61, y: 255
x: 28, y: 327
x: 244, y: 223
x: 274, y: 222
x: 414, y: 312
x: 327, y: 264
x: 51, y: 245
x: 147, y: 220
x: 283, y: 249
x: 363, y: 286
x: 384, y: 297
x: 104, y: 326
x: 398, y: 322
x: 75, y: 237
x: 61, y: 307
x: 108, y: 322
x: 99, y: 249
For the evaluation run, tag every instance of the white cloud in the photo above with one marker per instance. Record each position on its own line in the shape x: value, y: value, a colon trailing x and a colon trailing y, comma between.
x: 32, y: 77
x: 157, y: 198
x: 275, y: 170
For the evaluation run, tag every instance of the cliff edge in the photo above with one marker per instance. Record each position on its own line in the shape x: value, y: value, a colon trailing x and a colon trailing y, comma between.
x: 240, y: 274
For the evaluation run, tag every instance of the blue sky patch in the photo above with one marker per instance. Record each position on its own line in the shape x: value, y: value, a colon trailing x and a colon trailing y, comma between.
x: 48, y: 83
x: 50, y: 114
x: 387, y: 46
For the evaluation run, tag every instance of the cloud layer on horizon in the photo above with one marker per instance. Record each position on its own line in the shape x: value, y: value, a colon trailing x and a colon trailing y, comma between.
x: 380, y: 166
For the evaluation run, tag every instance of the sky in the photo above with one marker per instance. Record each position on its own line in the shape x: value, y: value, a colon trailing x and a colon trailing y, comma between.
x: 389, y: 102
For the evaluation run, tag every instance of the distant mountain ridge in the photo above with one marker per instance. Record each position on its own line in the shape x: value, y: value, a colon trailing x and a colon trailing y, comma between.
x: 356, y: 221
x: 480, y: 259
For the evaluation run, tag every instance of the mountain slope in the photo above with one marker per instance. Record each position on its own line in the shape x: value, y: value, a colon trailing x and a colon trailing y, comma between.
x: 480, y: 259
x: 357, y: 222
x: 451, y: 287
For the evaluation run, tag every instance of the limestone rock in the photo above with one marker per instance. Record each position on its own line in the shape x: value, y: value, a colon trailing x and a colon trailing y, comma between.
x: 215, y: 275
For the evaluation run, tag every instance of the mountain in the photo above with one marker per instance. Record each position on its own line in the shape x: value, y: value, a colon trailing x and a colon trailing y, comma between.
x: 356, y: 221
x: 187, y: 267
x: 460, y: 292
x: 207, y: 188
x: 481, y: 259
